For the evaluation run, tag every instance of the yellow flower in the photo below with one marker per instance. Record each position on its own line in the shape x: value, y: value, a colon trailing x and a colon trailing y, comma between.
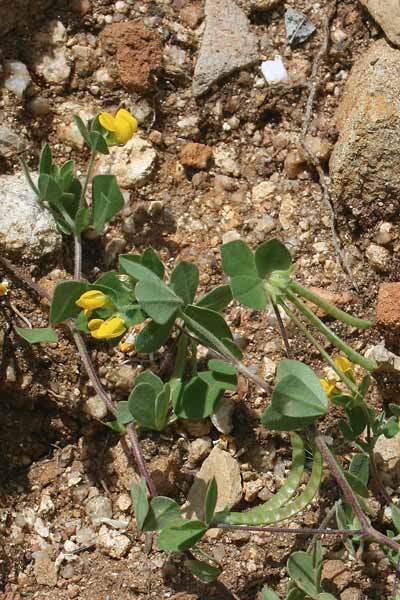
x: 3, y: 288
x: 106, y: 330
x: 91, y: 300
x: 345, y: 365
x: 329, y: 386
x: 122, y: 126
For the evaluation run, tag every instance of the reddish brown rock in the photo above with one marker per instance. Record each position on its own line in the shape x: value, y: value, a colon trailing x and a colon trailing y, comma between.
x: 388, y: 307
x: 195, y: 155
x: 294, y: 164
x: 137, y: 50
x: 192, y: 15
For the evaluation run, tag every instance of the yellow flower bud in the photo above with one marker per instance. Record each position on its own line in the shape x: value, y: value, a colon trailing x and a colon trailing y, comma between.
x: 329, y: 386
x: 3, y: 288
x: 91, y: 300
x: 345, y: 365
x: 122, y: 126
x: 106, y: 330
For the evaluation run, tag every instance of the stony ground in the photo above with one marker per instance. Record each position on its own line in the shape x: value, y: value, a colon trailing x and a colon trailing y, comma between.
x: 66, y: 520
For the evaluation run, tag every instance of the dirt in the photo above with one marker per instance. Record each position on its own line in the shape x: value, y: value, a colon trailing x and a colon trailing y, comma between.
x: 50, y: 447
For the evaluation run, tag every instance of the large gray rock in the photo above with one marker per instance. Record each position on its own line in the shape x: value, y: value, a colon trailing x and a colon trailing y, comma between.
x: 387, y: 14
x: 365, y: 162
x: 226, y: 470
x: 227, y: 45
x: 26, y: 229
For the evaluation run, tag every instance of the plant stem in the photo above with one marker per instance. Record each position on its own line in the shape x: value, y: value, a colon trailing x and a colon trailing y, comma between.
x: 282, y: 329
x: 295, y: 531
x: 353, y: 355
x: 367, y: 530
x: 346, y: 380
x: 329, y: 308
x: 78, y: 238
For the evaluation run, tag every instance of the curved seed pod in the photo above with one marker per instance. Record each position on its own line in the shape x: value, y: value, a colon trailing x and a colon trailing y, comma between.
x: 263, y: 515
x: 287, y: 490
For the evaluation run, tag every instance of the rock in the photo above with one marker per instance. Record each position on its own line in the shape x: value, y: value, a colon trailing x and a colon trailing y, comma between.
x: 67, y: 131
x: 351, y: 593
x: 124, y: 502
x: 222, y: 417
x: 99, y: 507
x: 385, y: 359
x: 85, y: 536
x: 384, y: 235
x: 95, y: 407
x: 298, y: 27
x: 26, y: 229
x: 39, y: 106
x: 274, y: 71
x: 197, y: 428
x: 387, y: 14
x: 251, y: 489
x: 378, y: 257
x: 192, y: 15
x: 11, y: 143
x: 263, y: 191
x: 318, y: 147
x: 132, y: 164
x: 264, y: 4
x: 44, y: 569
x: 16, y: 77
x: 164, y: 471
x: 138, y: 52
x: 18, y: 13
x: 294, y: 164
x: 389, y: 451
x: 199, y: 449
x: 363, y: 165
x: 225, y: 469
x: 335, y: 575
x: 226, y: 159
x: 196, y: 156
x: 388, y: 312
x: 50, y: 59
x: 339, y: 299
x: 120, y: 457
x: 227, y: 44
x: 112, y: 543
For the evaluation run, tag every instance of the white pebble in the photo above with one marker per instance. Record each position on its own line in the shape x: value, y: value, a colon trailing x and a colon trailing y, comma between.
x: 274, y: 71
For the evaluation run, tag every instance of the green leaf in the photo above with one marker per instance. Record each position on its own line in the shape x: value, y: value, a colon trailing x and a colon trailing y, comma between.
x: 161, y: 408
x: 196, y: 400
x: 359, y: 466
x: 107, y: 200
x: 184, y: 281
x: 222, y: 381
x: 394, y: 409
x: 395, y: 516
x: 82, y: 129
x: 140, y: 502
x: 268, y: 594
x: 45, y: 162
x: 217, y: 299
x: 300, y: 569
x: 233, y: 348
x: 325, y: 596
x: 27, y: 176
x: 162, y: 511
x: 152, y: 261
x: 81, y: 322
x: 130, y: 264
x: 272, y: 256
x: 157, y: 300
x: 151, y: 379
x: 180, y: 535
x: 358, y: 420
x: 250, y: 291
x: 210, y: 320
x: 238, y: 259
x: 210, y: 501
x: 38, y: 335
x: 142, y: 403
x: 220, y: 366
x: 115, y: 426
x: 296, y: 594
x: 203, y: 571
x: 356, y: 484
x: 124, y: 415
x: 153, y: 336
x: 63, y: 303
x: 49, y: 189
x: 98, y: 143
x: 82, y: 220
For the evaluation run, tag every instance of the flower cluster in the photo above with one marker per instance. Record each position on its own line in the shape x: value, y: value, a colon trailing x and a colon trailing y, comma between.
x: 346, y: 367
x: 101, y: 329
